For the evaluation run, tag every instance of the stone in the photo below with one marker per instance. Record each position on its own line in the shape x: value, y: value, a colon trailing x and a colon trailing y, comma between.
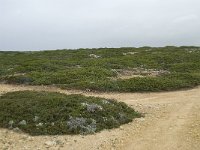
x: 36, y: 118
x: 23, y: 122
x: 17, y: 130
x: 39, y: 124
x: 94, y: 56
x: 50, y: 143
x: 11, y: 122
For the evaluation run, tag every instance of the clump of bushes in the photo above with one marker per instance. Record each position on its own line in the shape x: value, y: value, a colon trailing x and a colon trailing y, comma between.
x: 172, y: 67
x: 45, y: 113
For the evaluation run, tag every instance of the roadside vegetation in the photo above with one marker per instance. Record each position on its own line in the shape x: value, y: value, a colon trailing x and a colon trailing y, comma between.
x: 49, y: 113
x: 105, y: 69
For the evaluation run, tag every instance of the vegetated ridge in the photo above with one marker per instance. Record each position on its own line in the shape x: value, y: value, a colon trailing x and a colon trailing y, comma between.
x: 105, y: 69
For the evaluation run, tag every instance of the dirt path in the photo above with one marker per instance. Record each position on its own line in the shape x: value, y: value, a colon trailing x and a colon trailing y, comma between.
x: 172, y: 122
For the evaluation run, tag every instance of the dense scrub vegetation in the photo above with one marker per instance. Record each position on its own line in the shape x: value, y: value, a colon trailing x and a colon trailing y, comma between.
x: 45, y: 113
x: 97, y: 69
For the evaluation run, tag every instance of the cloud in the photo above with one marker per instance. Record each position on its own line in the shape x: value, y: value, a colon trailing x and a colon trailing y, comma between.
x: 50, y: 24
x: 187, y: 18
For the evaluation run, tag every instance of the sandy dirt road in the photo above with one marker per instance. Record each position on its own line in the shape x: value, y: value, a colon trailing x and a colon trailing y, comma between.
x: 171, y: 122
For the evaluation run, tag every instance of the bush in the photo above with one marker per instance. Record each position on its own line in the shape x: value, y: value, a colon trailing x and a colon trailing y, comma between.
x: 45, y: 113
x: 76, y: 69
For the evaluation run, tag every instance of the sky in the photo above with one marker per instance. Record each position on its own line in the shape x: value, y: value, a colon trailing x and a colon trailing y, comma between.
x: 70, y: 24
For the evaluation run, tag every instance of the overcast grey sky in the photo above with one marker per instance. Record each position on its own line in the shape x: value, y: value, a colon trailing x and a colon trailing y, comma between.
x: 57, y: 24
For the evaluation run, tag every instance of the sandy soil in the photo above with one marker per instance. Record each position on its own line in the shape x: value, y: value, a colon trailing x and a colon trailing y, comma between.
x: 171, y: 122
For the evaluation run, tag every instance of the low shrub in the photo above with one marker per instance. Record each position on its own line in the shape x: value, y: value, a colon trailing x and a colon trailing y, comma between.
x: 76, y: 69
x: 45, y: 113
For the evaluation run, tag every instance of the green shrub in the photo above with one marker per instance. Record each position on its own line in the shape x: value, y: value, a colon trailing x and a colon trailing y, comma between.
x: 45, y: 113
x: 76, y: 69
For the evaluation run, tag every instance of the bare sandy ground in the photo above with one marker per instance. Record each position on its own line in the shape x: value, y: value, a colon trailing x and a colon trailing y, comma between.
x: 171, y: 122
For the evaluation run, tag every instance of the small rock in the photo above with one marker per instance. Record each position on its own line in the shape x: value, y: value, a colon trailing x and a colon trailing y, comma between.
x: 59, y: 142
x: 23, y: 122
x: 50, y: 143
x: 17, y: 130
x: 121, y: 128
x: 11, y: 122
x: 142, y: 119
x: 94, y: 56
x: 36, y: 118
x: 30, y: 138
x: 24, y: 137
x: 39, y: 124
